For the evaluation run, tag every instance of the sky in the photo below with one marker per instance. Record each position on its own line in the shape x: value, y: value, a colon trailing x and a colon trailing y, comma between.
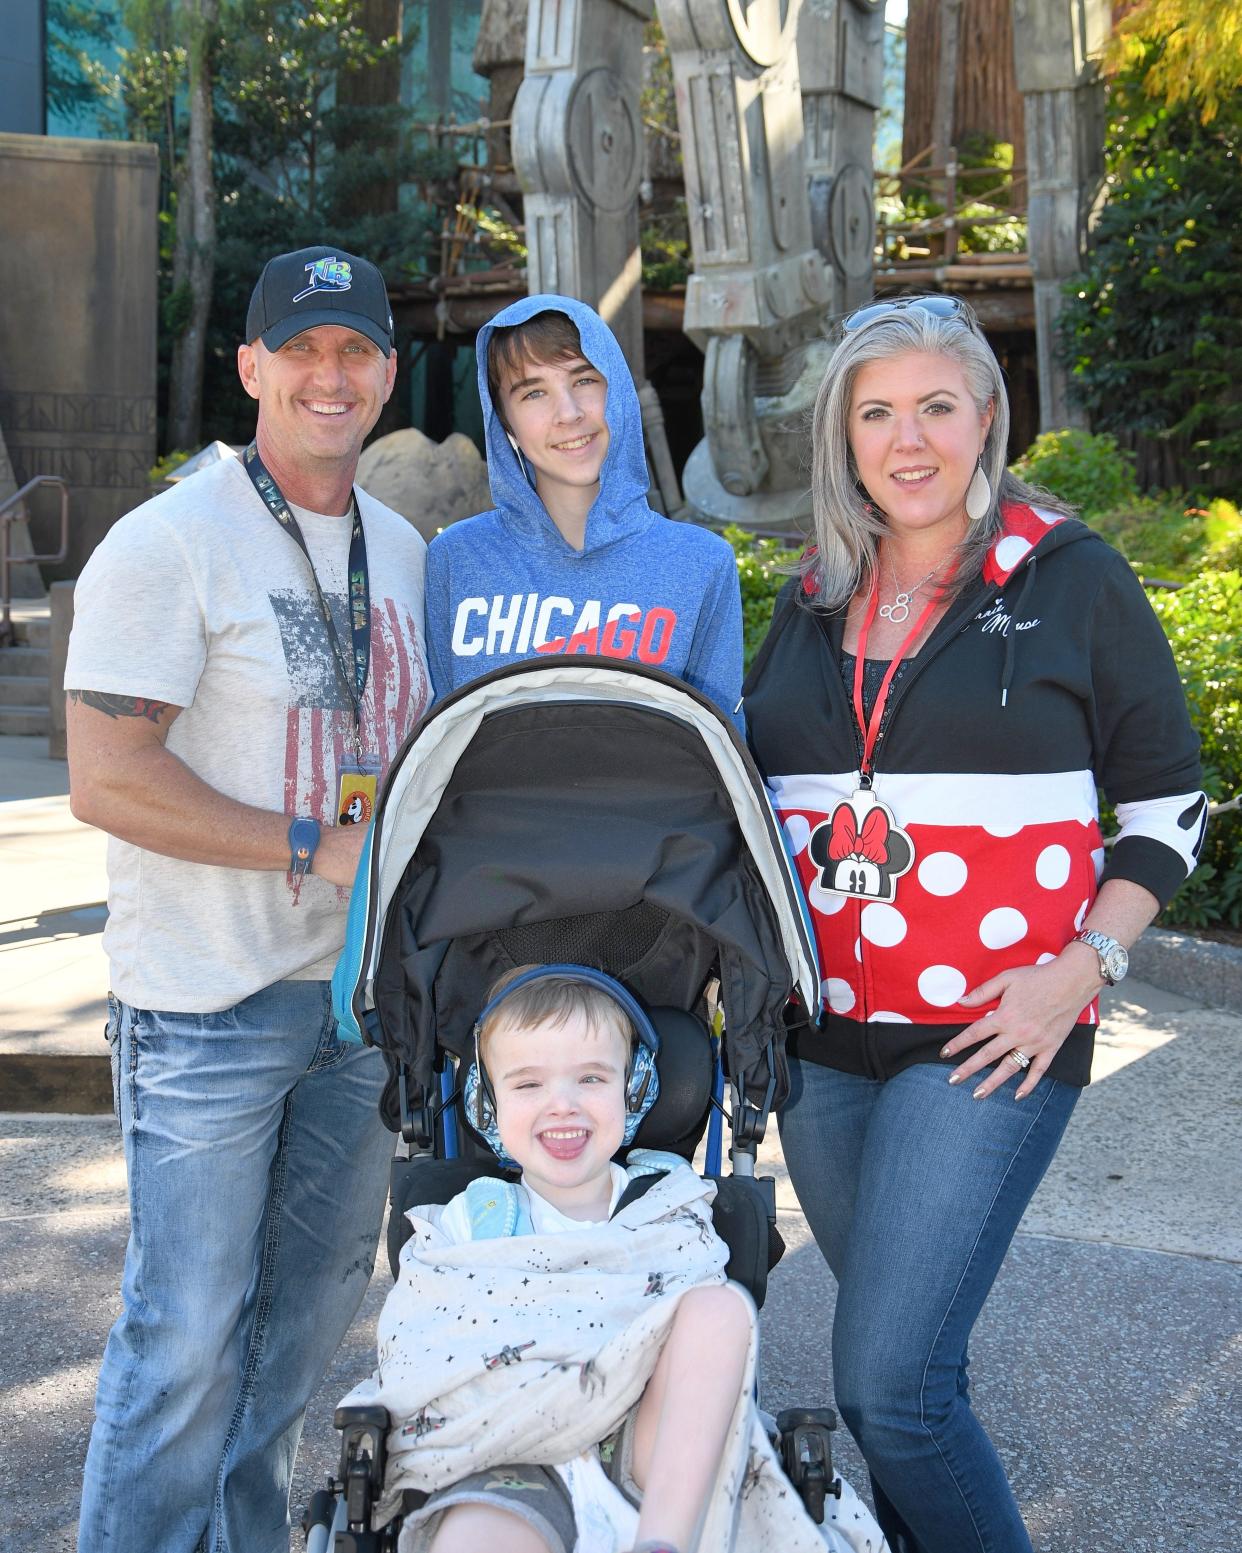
x: 895, y: 12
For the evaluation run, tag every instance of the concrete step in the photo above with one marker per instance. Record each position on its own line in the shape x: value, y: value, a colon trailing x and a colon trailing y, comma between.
x: 71, y: 1084
x: 25, y: 720
x: 32, y: 630
x: 33, y: 661
x: 21, y: 689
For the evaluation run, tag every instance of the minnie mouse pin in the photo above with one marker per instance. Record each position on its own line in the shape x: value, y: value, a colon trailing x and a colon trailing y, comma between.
x: 861, y: 850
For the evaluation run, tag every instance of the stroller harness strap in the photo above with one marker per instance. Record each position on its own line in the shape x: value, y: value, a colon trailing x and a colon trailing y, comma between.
x: 498, y: 1209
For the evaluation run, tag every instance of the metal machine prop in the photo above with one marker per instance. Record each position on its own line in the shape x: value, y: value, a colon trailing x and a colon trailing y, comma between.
x: 776, y: 101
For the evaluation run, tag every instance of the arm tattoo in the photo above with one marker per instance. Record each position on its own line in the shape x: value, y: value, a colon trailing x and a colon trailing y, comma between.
x: 120, y: 706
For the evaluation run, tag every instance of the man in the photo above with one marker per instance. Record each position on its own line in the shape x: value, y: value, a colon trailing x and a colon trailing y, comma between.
x: 246, y: 658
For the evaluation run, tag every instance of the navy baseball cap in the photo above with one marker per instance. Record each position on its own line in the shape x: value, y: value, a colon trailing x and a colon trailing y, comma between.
x: 314, y: 286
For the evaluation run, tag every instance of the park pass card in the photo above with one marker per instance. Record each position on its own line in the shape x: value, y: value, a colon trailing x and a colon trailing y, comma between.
x: 355, y: 791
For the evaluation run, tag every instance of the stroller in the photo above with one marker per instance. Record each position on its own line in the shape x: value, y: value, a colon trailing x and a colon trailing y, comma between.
x: 602, y: 814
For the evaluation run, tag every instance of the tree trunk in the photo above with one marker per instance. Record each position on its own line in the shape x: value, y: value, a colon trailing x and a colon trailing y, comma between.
x: 194, y: 258
x: 944, y: 98
x: 373, y: 86
x: 986, y: 100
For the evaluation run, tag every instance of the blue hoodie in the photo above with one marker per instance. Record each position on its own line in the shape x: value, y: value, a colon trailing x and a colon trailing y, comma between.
x: 506, y: 585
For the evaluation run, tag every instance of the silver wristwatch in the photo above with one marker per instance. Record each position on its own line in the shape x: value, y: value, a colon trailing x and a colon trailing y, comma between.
x: 1114, y: 960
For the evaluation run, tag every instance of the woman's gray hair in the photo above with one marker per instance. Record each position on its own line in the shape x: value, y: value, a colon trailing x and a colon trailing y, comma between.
x: 847, y: 526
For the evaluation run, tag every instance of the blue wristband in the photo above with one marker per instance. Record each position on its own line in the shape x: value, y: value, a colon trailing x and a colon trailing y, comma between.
x: 303, y: 839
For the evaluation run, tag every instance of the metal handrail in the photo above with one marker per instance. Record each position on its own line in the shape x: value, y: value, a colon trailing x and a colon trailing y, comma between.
x: 10, y: 511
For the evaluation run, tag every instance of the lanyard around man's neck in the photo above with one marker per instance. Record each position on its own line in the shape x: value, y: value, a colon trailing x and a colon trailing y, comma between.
x: 355, y: 683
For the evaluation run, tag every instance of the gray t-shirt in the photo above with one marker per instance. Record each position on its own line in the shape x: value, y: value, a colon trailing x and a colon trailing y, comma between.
x: 200, y: 599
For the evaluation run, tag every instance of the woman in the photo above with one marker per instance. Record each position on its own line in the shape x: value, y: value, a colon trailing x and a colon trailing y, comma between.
x: 958, y: 664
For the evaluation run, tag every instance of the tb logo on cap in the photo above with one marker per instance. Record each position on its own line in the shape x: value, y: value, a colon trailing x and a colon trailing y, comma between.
x: 328, y: 274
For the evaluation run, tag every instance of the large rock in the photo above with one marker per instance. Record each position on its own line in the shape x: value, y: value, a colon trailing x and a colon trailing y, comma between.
x: 430, y: 483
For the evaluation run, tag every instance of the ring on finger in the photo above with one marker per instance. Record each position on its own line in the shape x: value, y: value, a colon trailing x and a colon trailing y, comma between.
x: 1022, y: 1060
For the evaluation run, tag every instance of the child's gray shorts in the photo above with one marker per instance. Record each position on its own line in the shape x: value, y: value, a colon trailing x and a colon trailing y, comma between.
x: 537, y: 1495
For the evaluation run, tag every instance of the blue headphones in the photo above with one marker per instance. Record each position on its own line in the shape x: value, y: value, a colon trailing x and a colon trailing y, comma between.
x: 642, y: 1082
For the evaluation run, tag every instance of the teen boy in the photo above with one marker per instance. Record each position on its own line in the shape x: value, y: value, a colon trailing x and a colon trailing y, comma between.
x: 533, y: 1320
x: 572, y: 559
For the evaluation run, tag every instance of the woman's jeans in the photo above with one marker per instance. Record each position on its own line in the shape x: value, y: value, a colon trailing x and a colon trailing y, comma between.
x: 257, y: 1166
x: 913, y: 1191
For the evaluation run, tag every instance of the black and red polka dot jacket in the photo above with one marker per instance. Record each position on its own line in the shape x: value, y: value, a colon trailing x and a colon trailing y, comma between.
x: 1048, y: 677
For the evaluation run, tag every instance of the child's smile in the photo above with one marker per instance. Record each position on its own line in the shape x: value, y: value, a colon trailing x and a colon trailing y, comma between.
x: 560, y: 1108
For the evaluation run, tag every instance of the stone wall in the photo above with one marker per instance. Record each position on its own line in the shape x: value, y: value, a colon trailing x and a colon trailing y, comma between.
x: 77, y: 327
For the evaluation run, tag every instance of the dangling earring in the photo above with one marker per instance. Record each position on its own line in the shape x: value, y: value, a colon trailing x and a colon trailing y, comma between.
x: 978, y: 495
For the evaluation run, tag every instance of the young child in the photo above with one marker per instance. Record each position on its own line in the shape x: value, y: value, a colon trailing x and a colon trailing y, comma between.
x: 572, y: 559
x: 532, y: 1321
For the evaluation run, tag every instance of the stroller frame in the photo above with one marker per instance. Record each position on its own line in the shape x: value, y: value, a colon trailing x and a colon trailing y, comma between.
x: 435, y: 915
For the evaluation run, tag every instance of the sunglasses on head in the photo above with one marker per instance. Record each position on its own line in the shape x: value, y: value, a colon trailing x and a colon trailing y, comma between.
x: 937, y: 306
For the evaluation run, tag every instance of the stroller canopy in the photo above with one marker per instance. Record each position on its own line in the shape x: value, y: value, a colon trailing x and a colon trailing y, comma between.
x: 585, y: 811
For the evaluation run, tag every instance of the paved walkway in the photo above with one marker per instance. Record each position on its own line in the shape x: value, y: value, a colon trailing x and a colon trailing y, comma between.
x: 1107, y: 1365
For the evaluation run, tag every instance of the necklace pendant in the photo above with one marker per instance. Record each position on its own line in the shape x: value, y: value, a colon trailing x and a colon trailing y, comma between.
x: 860, y: 849
x: 898, y: 611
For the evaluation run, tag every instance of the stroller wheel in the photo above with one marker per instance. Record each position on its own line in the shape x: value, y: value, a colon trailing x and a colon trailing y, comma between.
x: 805, y: 1436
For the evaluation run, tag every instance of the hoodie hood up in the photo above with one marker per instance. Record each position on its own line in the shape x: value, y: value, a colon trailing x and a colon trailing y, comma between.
x: 620, y: 511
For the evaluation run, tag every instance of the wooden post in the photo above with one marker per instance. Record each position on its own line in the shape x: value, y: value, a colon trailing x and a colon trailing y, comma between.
x: 950, y: 205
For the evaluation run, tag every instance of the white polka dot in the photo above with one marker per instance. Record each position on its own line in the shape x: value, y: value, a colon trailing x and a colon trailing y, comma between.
x: 882, y: 925
x: 838, y: 994
x: 1010, y: 551
x: 824, y: 901
x: 1045, y: 959
x: 858, y: 948
x: 942, y: 873
x: 1002, y: 927
x: 1080, y: 914
x: 1052, y: 867
x: 996, y: 826
x: 797, y: 830
x: 1097, y: 858
x: 941, y: 985
x: 883, y: 1017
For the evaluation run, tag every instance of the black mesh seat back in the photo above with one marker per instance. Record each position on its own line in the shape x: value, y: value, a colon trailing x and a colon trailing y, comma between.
x: 598, y: 835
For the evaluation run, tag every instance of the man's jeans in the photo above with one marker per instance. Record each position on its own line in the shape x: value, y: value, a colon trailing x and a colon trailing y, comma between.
x: 257, y: 1166
x: 913, y: 1191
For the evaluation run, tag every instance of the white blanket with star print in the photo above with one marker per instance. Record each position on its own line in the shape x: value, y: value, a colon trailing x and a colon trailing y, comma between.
x: 535, y: 1347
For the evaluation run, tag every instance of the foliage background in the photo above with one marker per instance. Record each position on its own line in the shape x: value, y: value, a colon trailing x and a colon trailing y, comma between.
x: 1151, y: 331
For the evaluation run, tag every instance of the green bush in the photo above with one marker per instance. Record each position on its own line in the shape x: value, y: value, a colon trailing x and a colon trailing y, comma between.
x: 1151, y: 330
x: 1160, y: 536
x: 1090, y: 472
x: 1163, y: 538
x: 1203, y: 622
x: 1222, y: 525
x: 762, y: 571
x: 163, y: 467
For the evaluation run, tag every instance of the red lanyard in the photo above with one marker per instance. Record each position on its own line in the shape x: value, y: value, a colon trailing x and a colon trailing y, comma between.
x: 871, y: 730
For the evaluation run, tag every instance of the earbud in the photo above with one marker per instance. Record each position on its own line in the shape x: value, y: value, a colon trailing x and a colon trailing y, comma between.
x: 527, y: 475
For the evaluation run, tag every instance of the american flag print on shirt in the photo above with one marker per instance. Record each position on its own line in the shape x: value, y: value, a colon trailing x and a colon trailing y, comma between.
x: 319, y: 719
